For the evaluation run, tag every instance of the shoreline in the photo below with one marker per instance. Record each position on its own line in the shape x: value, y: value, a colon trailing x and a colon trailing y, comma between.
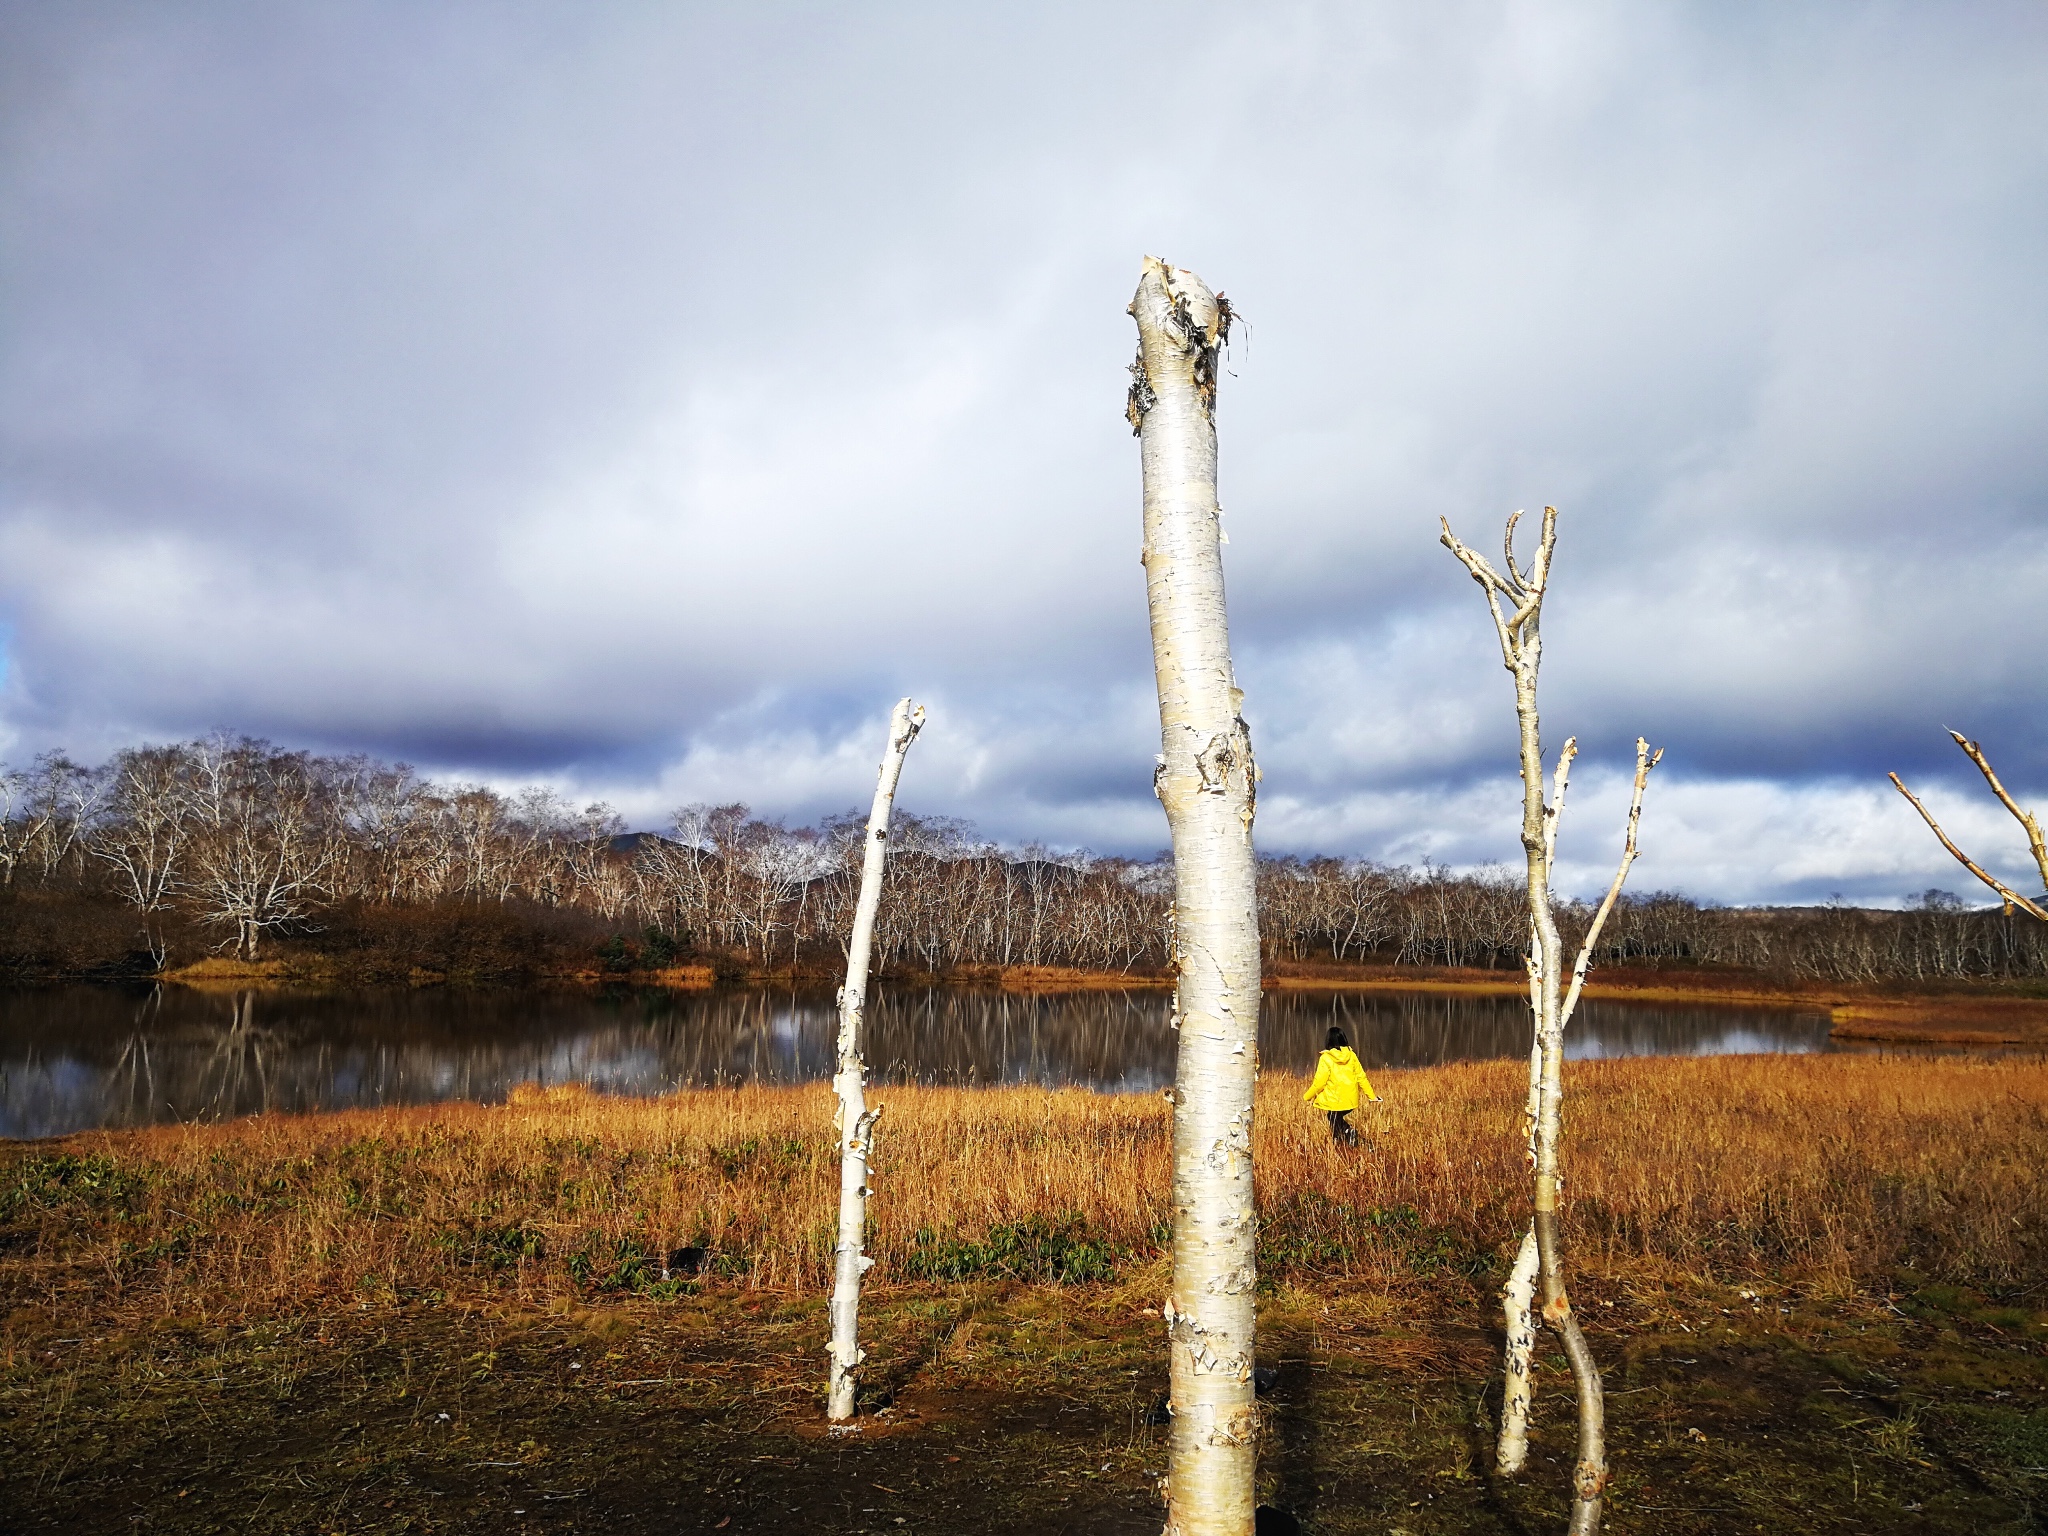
x: 1964, y: 1014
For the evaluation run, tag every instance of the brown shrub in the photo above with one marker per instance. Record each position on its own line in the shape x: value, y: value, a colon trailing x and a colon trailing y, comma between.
x: 454, y: 940
x: 46, y: 933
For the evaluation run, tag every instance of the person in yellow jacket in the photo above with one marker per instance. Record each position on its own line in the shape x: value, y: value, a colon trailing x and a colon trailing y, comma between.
x: 1340, y: 1079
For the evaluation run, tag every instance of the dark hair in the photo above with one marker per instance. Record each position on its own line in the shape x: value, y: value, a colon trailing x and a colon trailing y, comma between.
x: 1334, y: 1039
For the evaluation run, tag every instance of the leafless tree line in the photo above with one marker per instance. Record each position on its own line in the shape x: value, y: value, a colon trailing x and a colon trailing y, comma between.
x: 1356, y: 911
x: 251, y: 840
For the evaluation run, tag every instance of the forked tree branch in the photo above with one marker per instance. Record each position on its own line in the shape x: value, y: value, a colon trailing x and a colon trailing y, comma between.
x: 2006, y: 893
x: 1523, y: 590
x: 2036, y: 844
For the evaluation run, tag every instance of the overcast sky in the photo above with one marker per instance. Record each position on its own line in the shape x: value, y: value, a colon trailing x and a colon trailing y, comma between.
x: 640, y: 398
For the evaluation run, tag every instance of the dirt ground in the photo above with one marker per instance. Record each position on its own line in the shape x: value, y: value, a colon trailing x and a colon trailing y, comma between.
x: 1007, y: 1408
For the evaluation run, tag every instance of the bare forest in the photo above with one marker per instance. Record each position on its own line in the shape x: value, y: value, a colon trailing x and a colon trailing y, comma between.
x: 166, y: 854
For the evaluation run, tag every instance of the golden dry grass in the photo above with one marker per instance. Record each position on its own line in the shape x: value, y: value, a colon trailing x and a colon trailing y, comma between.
x: 1829, y: 1169
x: 1954, y: 1020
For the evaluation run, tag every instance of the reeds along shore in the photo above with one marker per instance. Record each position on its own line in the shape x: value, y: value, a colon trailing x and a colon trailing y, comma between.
x: 1828, y: 1170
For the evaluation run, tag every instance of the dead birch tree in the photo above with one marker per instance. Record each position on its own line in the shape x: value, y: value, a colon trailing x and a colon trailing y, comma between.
x: 855, y: 1121
x: 1516, y: 602
x: 2029, y: 823
x: 1207, y: 781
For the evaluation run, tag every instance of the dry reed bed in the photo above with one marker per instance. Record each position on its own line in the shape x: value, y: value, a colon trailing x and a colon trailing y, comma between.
x: 1831, y: 1168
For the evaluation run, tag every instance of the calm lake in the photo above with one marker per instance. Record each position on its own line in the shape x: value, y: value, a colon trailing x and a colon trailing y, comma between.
x: 72, y: 1058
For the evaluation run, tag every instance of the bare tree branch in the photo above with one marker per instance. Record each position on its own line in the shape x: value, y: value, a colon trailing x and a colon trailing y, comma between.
x: 1645, y: 761
x: 2007, y: 894
x: 2036, y: 844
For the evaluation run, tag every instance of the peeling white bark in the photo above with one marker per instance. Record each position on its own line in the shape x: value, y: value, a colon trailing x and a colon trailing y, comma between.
x: 1518, y: 1385
x: 1206, y: 779
x: 855, y: 1121
x: 1517, y: 1297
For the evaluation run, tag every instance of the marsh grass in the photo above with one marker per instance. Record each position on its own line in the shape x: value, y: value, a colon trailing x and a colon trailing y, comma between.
x: 1831, y: 1170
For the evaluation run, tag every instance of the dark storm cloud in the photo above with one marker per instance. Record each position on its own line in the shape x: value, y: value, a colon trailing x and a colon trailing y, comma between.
x: 642, y: 398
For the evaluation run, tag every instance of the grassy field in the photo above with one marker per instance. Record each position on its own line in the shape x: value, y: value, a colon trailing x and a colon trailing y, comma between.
x: 1817, y: 1283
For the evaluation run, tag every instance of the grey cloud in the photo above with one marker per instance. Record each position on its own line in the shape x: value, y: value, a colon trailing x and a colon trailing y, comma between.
x: 643, y: 398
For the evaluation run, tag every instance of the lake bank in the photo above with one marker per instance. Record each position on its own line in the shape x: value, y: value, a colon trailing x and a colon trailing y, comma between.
x: 1828, y: 1266
x: 1954, y: 1013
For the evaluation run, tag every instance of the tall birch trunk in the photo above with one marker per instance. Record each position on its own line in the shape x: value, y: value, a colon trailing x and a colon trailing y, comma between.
x: 1516, y: 603
x: 855, y: 1121
x: 1206, y: 779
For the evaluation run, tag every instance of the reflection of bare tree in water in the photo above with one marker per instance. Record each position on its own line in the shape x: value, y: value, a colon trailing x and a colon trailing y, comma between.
x: 1391, y: 1029
x: 1421, y: 1029
x: 137, y: 1104
x: 71, y: 1058
x: 1102, y: 1039
x: 229, y: 1074
x: 237, y: 1064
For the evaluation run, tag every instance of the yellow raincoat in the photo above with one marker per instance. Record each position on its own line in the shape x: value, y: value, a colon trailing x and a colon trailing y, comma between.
x: 1339, y: 1081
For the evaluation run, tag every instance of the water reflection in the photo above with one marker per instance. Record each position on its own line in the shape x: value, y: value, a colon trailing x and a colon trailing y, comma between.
x: 78, y: 1057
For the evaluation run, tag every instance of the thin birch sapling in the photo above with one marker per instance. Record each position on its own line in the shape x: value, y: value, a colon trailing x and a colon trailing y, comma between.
x: 2029, y: 823
x: 1515, y: 600
x: 1206, y: 779
x: 854, y: 1121
x: 1518, y: 1295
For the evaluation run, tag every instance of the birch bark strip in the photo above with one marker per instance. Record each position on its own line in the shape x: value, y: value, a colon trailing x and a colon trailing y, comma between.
x: 855, y: 1121
x: 1517, y: 1299
x: 1206, y: 779
x: 1518, y: 1384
